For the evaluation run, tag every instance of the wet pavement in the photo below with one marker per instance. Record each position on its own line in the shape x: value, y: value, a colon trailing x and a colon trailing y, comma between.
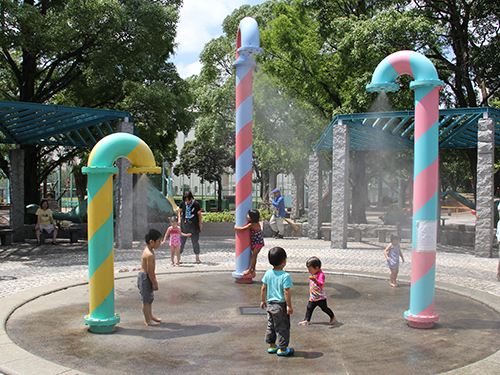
x: 45, y: 288
x: 204, y: 332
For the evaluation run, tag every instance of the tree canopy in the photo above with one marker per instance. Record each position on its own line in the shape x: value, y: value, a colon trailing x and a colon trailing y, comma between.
x: 95, y: 53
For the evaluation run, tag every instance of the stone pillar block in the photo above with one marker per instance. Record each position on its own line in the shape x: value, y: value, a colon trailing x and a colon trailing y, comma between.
x: 340, y: 185
x: 141, y: 206
x: 17, y: 206
x: 124, y: 197
x: 485, y: 187
x: 314, y: 212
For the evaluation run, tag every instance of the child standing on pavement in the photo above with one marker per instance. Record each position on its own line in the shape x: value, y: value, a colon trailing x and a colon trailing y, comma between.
x: 275, y: 297
x: 392, y: 254
x: 146, y: 279
x: 257, y: 241
x: 175, y: 240
x: 317, y: 295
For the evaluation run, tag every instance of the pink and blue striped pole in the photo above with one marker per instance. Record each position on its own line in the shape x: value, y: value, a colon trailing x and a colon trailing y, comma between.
x: 247, y: 45
x: 426, y: 175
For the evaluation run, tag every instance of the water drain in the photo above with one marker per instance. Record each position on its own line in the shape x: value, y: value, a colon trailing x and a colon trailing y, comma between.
x: 250, y: 310
x: 2, y: 278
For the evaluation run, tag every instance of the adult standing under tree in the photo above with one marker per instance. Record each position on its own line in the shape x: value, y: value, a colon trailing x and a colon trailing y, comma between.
x: 189, y: 218
x: 279, y: 214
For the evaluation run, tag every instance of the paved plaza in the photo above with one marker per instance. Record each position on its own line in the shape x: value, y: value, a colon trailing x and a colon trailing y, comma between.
x: 26, y: 265
x: 44, y: 296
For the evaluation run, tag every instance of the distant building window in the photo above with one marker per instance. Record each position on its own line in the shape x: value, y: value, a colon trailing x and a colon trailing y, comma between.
x: 208, y: 189
x: 196, y: 189
x: 176, y: 189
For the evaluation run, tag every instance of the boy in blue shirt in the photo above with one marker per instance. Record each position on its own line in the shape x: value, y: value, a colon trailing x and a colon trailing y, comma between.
x: 275, y: 296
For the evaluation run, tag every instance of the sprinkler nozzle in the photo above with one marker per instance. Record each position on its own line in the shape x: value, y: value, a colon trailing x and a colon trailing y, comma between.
x: 382, y: 86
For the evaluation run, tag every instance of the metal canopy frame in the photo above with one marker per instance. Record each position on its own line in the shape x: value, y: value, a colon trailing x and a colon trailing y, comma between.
x: 44, y: 124
x: 394, y: 130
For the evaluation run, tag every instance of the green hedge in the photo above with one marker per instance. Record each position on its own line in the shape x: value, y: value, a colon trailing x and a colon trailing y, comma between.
x: 218, y: 217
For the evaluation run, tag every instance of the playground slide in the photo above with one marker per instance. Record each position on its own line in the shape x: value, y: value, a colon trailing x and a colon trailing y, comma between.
x: 460, y: 198
x: 159, y: 208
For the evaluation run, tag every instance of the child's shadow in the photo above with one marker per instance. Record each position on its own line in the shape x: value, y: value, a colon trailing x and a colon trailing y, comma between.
x: 337, y: 324
x: 307, y: 355
x: 168, y: 331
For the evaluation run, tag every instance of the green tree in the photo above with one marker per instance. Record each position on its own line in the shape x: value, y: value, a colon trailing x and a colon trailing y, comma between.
x: 208, y: 161
x: 324, y: 53
x: 94, y: 53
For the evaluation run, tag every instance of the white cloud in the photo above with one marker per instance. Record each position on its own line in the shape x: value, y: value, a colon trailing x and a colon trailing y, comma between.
x: 200, y: 21
x: 187, y: 70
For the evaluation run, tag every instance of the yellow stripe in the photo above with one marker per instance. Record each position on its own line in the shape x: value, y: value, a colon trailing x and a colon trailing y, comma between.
x: 141, y: 156
x: 101, y: 283
x: 100, y: 207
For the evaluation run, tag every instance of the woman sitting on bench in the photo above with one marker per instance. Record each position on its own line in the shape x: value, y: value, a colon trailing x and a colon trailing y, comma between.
x: 44, y: 221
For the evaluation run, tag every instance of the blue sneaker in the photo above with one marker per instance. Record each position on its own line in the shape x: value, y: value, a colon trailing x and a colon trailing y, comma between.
x: 272, y: 350
x: 287, y: 353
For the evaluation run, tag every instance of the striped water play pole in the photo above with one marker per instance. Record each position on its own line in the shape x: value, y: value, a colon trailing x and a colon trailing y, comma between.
x: 100, y: 170
x: 247, y: 45
x: 426, y: 175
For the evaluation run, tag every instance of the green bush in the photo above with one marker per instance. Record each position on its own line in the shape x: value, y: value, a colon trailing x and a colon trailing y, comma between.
x: 265, y: 213
x: 218, y: 217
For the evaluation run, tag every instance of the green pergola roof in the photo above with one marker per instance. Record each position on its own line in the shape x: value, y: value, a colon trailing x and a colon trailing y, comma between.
x: 394, y: 130
x: 42, y: 124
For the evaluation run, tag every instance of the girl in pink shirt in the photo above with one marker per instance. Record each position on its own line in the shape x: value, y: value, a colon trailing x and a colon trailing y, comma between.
x: 317, y: 294
x: 175, y: 240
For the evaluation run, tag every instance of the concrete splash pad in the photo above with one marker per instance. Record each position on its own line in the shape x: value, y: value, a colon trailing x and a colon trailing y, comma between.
x: 204, y: 331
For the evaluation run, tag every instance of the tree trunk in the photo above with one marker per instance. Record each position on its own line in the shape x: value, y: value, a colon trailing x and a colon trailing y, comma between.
x: 264, y: 186
x: 380, y: 194
x: 80, y: 183
x: 472, y: 154
x: 31, y: 183
x: 359, y: 187
x: 219, y: 194
x: 273, y: 180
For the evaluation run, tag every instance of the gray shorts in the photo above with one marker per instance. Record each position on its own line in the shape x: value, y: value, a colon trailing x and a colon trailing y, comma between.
x: 145, y: 287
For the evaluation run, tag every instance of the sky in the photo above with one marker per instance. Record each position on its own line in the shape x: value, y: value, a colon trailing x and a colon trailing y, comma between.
x: 200, y: 21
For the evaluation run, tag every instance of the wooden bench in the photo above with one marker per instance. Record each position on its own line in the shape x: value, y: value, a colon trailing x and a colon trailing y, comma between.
x: 6, y: 236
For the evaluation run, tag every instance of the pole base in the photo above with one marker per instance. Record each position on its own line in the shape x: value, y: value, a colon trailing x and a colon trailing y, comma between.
x: 243, y: 279
x: 102, y: 325
x: 421, y: 321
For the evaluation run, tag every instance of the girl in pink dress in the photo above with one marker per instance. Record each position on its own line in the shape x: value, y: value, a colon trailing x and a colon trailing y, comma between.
x: 257, y: 241
x: 175, y: 240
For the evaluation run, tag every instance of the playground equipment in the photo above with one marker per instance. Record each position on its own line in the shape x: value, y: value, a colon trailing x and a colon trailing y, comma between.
x: 159, y: 207
x: 425, y: 186
x: 247, y: 45
x: 100, y: 170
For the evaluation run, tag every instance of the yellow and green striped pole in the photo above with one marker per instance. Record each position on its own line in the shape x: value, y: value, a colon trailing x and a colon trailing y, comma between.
x: 100, y: 170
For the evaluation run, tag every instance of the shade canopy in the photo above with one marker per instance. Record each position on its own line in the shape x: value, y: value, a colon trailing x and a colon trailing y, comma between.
x: 394, y: 130
x: 43, y: 124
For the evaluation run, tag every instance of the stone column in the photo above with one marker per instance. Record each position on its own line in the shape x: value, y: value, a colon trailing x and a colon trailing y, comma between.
x: 485, y: 187
x: 141, y: 206
x: 314, y: 213
x: 340, y: 185
x: 124, y: 197
x: 17, y: 207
